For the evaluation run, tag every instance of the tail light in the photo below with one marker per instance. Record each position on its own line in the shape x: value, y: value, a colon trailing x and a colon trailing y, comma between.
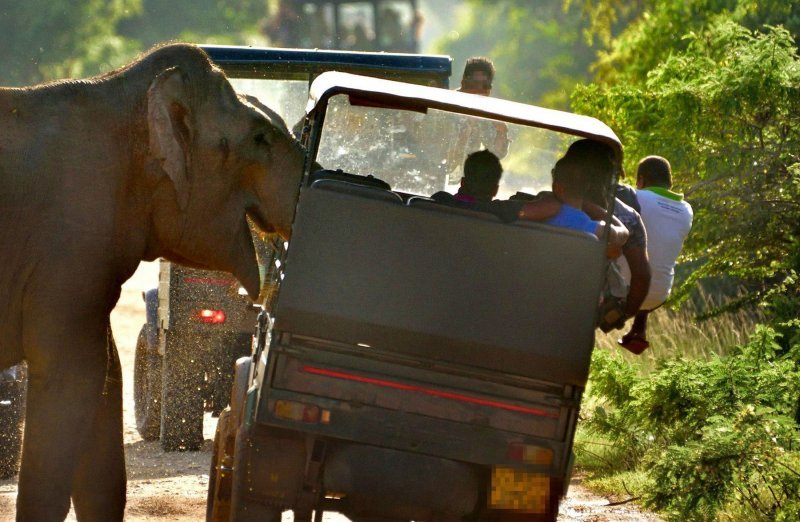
x: 211, y: 316
x: 297, y: 411
x: 530, y: 454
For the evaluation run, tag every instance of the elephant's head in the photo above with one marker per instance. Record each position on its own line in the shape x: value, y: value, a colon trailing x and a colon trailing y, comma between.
x: 220, y: 158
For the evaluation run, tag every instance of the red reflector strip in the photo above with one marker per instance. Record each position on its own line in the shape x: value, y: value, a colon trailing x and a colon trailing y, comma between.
x: 428, y: 391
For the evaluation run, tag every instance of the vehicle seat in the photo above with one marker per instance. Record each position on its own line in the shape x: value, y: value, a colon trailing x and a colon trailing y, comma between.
x: 340, y: 175
x: 357, y: 189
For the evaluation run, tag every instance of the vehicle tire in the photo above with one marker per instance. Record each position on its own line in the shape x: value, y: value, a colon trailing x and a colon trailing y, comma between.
x: 219, y: 484
x: 220, y: 374
x: 13, y: 384
x: 147, y: 386
x: 181, y: 394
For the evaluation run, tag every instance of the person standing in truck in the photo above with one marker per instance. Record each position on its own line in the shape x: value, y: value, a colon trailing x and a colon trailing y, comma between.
x: 668, y: 220
x: 445, y: 141
x: 477, y: 78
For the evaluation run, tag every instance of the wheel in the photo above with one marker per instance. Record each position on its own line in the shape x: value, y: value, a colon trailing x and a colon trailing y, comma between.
x: 181, y: 394
x: 12, y: 413
x: 220, y: 376
x: 147, y: 386
x: 218, y: 506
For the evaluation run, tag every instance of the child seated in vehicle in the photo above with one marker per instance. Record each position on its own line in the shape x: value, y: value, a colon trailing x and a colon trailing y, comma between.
x: 569, y: 188
x: 562, y: 208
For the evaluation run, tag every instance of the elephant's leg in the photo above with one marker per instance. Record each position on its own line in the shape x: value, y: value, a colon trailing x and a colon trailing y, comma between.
x: 103, y: 499
x: 67, y: 366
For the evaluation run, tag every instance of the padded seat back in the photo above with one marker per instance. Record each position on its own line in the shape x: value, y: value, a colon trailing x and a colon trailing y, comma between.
x: 428, y: 283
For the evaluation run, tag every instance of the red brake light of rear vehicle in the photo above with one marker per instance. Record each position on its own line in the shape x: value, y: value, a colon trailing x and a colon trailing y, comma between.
x: 211, y: 316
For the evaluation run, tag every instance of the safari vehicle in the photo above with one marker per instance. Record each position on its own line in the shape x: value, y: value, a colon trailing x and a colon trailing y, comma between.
x: 420, y: 362
x: 355, y: 25
x: 199, y: 322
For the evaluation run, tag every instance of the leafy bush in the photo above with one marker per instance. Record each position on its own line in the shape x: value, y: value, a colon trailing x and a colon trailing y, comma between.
x: 716, y: 437
x: 725, y: 110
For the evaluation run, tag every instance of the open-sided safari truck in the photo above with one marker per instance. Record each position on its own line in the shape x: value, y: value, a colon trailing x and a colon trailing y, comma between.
x: 200, y: 322
x: 421, y: 362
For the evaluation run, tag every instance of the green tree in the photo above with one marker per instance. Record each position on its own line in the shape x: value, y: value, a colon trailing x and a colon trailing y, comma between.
x: 220, y: 21
x: 537, y: 47
x: 48, y: 39
x: 653, y: 29
x: 726, y: 112
x: 716, y: 438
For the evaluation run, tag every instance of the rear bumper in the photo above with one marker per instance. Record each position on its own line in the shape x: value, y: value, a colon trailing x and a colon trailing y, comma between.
x: 274, y: 468
x: 271, y: 464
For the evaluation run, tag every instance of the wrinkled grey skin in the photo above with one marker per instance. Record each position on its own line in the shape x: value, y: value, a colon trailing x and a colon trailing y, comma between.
x: 158, y: 159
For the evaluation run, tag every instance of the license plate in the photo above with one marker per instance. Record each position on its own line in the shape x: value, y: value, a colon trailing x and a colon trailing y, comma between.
x: 519, y: 490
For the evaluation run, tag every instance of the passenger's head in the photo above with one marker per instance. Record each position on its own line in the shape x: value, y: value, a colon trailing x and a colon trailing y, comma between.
x: 478, y: 76
x: 569, y: 178
x: 654, y: 171
x: 482, y: 172
x: 600, y: 164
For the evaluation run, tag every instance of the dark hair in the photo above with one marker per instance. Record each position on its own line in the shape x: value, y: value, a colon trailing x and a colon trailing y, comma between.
x: 570, y: 173
x: 482, y: 172
x: 655, y: 170
x: 479, y: 63
x: 600, y: 164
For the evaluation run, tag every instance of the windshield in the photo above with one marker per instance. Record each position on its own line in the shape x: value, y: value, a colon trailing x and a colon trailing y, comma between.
x: 286, y: 97
x: 422, y: 153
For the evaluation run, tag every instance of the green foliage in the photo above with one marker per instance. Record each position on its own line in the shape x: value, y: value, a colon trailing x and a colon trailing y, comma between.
x: 539, y: 57
x: 47, y: 39
x: 714, y: 437
x: 221, y: 21
x: 649, y: 31
x: 65, y: 39
x: 605, y: 15
x: 726, y: 112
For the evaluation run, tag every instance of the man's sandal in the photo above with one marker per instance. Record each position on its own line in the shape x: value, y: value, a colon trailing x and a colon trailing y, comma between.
x: 634, y: 343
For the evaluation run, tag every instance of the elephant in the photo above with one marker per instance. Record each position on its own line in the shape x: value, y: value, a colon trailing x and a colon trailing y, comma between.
x: 159, y: 158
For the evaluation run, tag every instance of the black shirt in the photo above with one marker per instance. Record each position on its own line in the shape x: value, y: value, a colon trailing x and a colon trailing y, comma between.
x: 506, y: 211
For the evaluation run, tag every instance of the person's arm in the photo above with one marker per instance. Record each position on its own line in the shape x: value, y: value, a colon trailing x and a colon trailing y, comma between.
x: 539, y: 210
x: 500, y: 140
x: 598, y: 213
x: 617, y: 233
x: 639, y: 265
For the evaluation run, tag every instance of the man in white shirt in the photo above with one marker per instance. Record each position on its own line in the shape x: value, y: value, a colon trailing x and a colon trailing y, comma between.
x: 667, y: 218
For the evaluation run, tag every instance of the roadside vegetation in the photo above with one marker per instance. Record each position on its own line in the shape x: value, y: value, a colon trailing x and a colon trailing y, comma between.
x: 704, y: 425
x: 709, y: 429
x: 702, y: 428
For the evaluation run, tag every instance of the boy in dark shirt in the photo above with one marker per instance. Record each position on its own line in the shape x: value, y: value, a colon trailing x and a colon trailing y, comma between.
x: 479, y: 186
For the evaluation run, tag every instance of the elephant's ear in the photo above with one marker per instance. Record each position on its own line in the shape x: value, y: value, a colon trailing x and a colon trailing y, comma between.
x: 169, y: 127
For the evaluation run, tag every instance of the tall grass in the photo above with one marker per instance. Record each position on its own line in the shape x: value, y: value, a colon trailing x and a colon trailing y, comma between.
x: 677, y: 333
x: 672, y: 333
x: 609, y: 460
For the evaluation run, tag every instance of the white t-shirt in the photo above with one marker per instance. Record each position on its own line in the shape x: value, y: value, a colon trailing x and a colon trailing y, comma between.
x: 667, y: 219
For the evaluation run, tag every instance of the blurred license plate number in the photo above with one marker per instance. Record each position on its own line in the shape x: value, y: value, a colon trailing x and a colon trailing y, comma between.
x: 519, y: 490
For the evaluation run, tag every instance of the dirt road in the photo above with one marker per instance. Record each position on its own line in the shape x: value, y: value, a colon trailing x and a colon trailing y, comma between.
x: 172, y: 486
